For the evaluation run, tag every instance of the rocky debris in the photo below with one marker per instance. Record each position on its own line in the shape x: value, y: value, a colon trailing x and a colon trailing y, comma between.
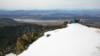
x: 48, y: 35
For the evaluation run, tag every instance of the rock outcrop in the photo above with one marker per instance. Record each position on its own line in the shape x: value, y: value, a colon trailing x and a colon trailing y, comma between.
x: 16, y: 39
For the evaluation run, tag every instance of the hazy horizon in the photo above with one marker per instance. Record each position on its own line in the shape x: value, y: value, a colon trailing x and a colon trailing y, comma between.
x: 52, y: 10
x: 49, y: 4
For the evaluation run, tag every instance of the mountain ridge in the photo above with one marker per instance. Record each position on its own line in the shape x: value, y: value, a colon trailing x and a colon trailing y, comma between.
x: 16, y: 39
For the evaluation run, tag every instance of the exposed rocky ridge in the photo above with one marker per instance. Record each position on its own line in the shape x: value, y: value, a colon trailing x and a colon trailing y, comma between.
x: 16, y: 39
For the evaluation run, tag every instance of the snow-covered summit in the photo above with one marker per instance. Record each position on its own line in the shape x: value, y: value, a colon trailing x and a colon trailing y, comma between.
x: 74, y: 40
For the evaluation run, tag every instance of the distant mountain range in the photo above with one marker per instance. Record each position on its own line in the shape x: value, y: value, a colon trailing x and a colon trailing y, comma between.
x: 87, y: 16
x: 49, y: 14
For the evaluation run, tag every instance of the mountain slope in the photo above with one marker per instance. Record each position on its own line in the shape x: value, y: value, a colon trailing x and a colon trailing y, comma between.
x: 16, y: 39
x: 7, y: 22
x: 74, y: 40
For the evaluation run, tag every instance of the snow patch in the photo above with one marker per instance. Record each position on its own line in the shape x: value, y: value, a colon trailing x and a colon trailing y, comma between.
x: 11, y: 54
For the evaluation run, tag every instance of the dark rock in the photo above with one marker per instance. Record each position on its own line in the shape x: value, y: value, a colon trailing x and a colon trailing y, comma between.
x: 1, y: 53
x: 48, y: 35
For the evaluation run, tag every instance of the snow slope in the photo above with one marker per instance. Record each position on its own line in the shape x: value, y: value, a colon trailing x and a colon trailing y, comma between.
x: 74, y: 40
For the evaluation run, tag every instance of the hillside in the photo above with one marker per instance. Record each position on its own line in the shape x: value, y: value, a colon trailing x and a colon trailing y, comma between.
x: 7, y: 22
x: 16, y: 39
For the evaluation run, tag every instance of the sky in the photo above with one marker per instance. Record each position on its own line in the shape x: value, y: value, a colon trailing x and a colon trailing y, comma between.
x: 48, y: 4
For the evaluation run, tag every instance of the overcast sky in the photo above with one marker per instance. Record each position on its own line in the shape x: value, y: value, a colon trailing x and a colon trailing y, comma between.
x: 49, y: 4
